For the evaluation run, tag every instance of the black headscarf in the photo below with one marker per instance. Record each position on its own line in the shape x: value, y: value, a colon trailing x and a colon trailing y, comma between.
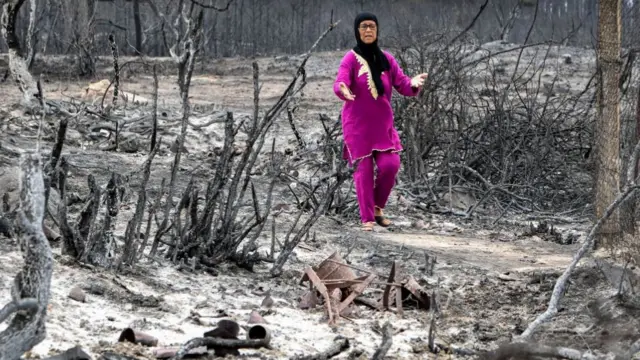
x: 372, y: 53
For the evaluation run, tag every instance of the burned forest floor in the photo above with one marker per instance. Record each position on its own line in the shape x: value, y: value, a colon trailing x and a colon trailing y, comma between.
x: 491, y: 274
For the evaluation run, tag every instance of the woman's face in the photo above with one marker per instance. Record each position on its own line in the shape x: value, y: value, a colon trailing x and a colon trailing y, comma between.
x: 368, y: 31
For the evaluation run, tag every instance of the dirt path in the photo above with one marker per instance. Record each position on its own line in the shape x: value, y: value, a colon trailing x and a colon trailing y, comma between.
x: 502, y: 256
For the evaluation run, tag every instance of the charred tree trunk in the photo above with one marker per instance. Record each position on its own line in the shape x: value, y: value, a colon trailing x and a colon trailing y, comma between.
x: 97, y: 251
x: 630, y: 136
x: 18, y: 65
x: 184, y: 52
x: 31, y: 41
x: 137, y: 25
x: 31, y: 288
x: 510, y: 23
x: 607, y: 141
x: 83, y: 37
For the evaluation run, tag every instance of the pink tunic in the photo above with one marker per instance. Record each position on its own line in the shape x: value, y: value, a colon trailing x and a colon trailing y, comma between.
x: 367, y: 121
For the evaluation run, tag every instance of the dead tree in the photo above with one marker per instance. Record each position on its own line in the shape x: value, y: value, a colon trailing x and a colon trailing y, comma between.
x: 31, y: 288
x: 130, y: 253
x: 18, y: 65
x: 630, y: 134
x: 31, y: 45
x: 116, y: 72
x: 491, y: 150
x: 214, y: 234
x: 229, y: 239
x: 607, y: 138
x: 83, y: 41
x: 137, y: 24
x: 506, y: 21
x: 290, y: 243
x: 183, y: 52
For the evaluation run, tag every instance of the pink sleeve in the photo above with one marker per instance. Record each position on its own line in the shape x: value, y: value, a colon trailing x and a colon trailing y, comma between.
x: 400, y: 81
x: 344, y: 75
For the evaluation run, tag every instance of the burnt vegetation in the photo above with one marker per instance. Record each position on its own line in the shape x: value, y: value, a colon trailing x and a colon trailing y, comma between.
x: 205, y: 222
x: 487, y: 138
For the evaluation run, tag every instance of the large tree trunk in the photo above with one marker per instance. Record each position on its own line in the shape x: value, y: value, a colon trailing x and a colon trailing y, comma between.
x: 607, y: 134
x: 83, y: 36
x: 31, y: 40
x: 17, y: 61
x: 31, y: 287
x: 630, y: 134
x: 137, y: 25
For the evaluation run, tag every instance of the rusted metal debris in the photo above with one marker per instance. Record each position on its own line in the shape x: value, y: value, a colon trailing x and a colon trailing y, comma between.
x: 222, y: 340
x: 335, y: 284
x: 392, y: 293
x: 419, y: 296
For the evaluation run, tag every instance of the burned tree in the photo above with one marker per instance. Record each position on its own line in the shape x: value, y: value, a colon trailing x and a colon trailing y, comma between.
x: 506, y: 17
x: 83, y: 31
x: 183, y: 52
x: 473, y: 139
x: 607, y: 132
x: 30, y: 292
x: 18, y: 57
x: 214, y: 234
x: 210, y: 232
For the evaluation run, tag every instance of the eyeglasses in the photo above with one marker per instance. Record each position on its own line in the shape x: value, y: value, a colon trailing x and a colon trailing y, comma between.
x: 365, y: 27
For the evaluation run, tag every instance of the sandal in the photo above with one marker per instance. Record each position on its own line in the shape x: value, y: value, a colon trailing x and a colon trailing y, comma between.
x: 382, y: 220
x: 368, y: 226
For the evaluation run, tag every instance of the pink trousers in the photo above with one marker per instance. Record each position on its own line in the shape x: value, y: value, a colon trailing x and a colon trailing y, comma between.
x: 373, y: 188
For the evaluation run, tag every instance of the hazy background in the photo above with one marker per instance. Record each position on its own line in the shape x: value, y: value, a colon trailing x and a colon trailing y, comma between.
x: 267, y: 27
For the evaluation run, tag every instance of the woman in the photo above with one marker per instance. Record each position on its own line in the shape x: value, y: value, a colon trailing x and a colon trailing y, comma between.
x: 364, y: 81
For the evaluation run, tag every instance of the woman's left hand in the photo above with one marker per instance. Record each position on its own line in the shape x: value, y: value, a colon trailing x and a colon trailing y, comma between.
x: 418, y: 80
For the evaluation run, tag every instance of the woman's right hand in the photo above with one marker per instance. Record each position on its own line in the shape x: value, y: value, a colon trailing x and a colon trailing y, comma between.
x: 346, y: 92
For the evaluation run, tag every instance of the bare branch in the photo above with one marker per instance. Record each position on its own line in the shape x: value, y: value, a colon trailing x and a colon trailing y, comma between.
x: 339, y: 345
x: 387, y: 341
x: 473, y: 22
x: 23, y: 304
x: 213, y: 7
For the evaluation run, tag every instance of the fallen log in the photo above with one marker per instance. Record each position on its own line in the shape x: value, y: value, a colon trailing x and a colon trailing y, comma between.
x: 522, y: 350
x: 339, y: 345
